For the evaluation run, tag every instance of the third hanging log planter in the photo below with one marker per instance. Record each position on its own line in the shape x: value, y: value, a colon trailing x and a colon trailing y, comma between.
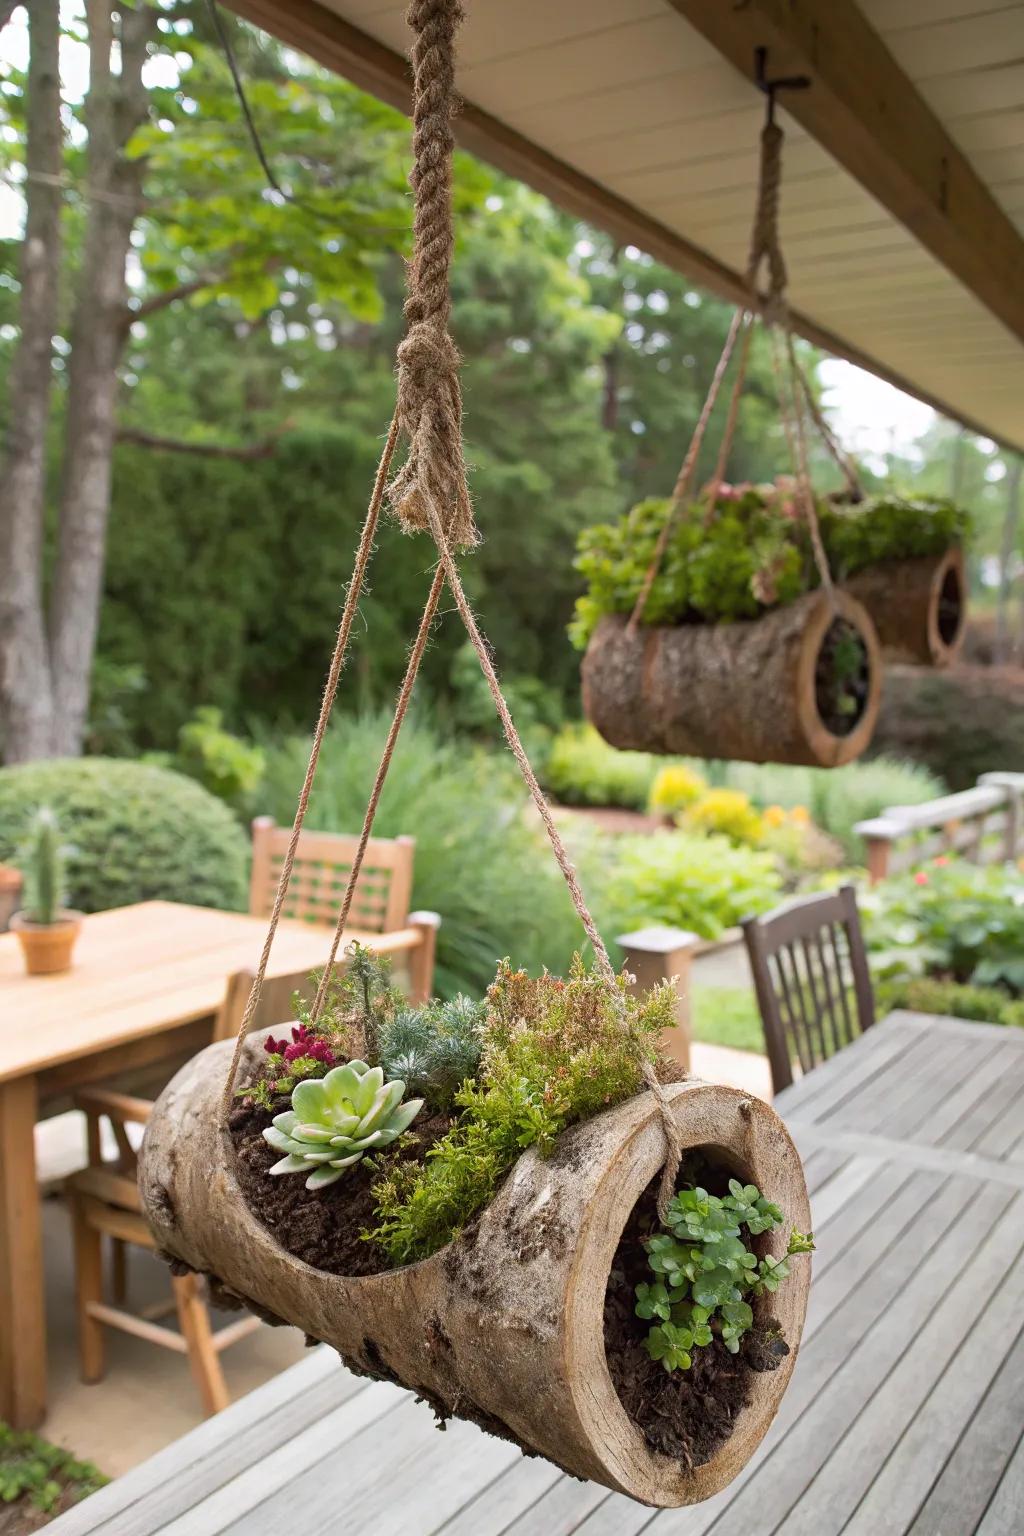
x: 509, y: 1324
x: 801, y: 684
x: 919, y: 606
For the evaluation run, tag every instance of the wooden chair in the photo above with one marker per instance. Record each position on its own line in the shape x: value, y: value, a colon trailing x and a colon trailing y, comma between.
x: 104, y: 1201
x: 319, y: 876
x: 809, y: 966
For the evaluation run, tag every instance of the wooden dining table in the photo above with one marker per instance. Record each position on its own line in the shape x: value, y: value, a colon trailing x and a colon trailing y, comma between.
x: 140, y: 997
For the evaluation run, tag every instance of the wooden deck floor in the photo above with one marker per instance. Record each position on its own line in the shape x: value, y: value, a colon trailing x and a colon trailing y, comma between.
x: 906, y: 1409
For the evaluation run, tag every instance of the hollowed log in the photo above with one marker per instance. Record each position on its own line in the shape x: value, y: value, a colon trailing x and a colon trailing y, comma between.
x: 919, y: 607
x: 746, y: 690
x: 505, y: 1325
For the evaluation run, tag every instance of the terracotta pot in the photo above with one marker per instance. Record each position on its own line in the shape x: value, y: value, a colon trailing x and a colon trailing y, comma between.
x: 10, y: 894
x: 47, y: 946
x: 504, y: 1325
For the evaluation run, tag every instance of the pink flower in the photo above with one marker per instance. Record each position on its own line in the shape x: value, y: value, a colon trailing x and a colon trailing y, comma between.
x: 304, y: 1043
x: 920, y: 878
x: 940, y: 860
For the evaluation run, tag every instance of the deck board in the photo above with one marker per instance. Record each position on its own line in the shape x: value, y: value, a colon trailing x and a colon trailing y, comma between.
x: 906, y: 1409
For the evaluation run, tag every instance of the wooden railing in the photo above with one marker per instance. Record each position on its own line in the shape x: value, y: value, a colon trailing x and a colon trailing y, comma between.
x: 984, y: 824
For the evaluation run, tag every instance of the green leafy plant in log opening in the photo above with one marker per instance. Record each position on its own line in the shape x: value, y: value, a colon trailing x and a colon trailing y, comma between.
x: 43, y: 867
x: 705, y: 1271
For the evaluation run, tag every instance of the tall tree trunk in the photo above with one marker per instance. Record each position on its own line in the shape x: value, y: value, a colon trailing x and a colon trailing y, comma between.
x: 1007, y: 556
x: 25, y: 693
x: 115, y: 107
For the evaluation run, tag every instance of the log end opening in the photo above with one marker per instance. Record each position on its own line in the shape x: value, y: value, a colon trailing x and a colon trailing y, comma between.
x: 947, y: 615
x: 839, y: 681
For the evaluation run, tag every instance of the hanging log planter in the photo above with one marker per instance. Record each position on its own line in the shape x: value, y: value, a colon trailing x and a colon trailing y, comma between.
x: 919, y: 607
x: 504, y: 1326
x: 801, y: 684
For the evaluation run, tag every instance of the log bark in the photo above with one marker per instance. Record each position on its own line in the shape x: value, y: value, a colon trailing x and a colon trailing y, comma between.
x: 504, y: 1326
x: 26, y: 714
x: 115, y: 107
x: 743, y: 690
x: 919, y: 607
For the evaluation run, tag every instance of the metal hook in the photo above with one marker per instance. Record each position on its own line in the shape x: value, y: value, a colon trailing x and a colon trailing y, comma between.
x: 769, y: 87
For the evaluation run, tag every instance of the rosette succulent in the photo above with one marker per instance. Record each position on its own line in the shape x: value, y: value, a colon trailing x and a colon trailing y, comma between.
x: 335, y: 1119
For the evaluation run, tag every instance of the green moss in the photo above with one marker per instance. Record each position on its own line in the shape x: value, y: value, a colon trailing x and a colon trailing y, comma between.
x: 555, y: 1053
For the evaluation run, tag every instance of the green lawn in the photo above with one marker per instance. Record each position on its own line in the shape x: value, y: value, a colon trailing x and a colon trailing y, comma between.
x: 727, y: 1016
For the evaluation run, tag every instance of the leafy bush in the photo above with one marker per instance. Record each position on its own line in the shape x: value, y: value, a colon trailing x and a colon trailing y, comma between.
x: 137, y: 832
x: 836, y: 798
x: 675, y: 787
x: 986, y: 703
x: 582, y: 769
x: 729, y: 812
x: 706, y: 884
x: 555, y: 1052
x: 953, y: 920
x: 480, y: 861
x: 930, y: 994
x: 704, y: 1269
x: 753, y: 555
x: 41, y: 1475
x: 227, y: 766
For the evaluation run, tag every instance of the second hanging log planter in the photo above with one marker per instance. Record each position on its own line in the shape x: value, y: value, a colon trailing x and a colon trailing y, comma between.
x: 919, y: 606
x: 767, y: 690
x: 504, y: 1325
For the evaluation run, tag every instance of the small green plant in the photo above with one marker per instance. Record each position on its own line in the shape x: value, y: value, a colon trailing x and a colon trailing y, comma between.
x: 555, y: 1052
x: 43, y: 868
x: 42, y: 1475
x: 704, y: 1271
x: 434, y: 1049
x: 335, y: 1119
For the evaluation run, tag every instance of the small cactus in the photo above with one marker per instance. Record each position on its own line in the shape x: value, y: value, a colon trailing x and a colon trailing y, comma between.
x: 42, y: 865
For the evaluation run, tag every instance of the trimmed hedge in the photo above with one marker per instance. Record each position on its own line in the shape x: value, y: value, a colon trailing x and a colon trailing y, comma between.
x: 138, y: 832
x: 933, y: 994
x: 959, y: 723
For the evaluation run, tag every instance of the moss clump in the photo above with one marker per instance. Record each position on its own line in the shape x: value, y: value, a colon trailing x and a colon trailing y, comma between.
x: 555, y: 1052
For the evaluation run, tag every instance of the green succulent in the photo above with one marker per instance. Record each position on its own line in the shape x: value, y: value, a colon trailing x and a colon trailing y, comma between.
x: 335, y: 1119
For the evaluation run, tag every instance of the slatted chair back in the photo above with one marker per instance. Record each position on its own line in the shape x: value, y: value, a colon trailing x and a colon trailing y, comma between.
x: 320, y: 873
x: 812, y: 981
x: 275, y: 1004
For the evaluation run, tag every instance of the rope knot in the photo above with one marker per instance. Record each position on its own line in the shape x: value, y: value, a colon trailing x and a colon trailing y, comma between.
x: 430, y: 413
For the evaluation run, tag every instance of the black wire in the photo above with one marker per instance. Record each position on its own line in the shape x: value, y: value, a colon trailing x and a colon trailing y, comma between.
x: 257, y: 143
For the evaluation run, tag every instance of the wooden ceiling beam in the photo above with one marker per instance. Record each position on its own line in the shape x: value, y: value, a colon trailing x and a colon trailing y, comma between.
x: 339, y: 46
x: 866, y: 111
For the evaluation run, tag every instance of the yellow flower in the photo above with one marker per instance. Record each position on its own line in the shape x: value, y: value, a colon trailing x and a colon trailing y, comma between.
x: 728, y: 811
x: 675, y: 787
x: 773, y: 816
x: 800, y: 816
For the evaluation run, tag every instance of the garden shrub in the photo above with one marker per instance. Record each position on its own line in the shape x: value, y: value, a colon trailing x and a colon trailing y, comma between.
x: 137, y: 832
x: 702, y: 883
x: 582, y: 769
x: 952, y: 920
x: 223, y: 763
x: 479, y: 861
x: 958, y: 723
x: 931, y: 994
x: 836, y: 798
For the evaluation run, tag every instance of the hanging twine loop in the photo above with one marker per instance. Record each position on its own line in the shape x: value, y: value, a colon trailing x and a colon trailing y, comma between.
x: 429, y: 393
x: 765, y: 248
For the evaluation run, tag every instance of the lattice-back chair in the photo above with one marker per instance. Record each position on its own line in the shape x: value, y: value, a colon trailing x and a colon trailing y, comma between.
x: 811, y: 979
x: 105, y: 1203
x: 320, y: 873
